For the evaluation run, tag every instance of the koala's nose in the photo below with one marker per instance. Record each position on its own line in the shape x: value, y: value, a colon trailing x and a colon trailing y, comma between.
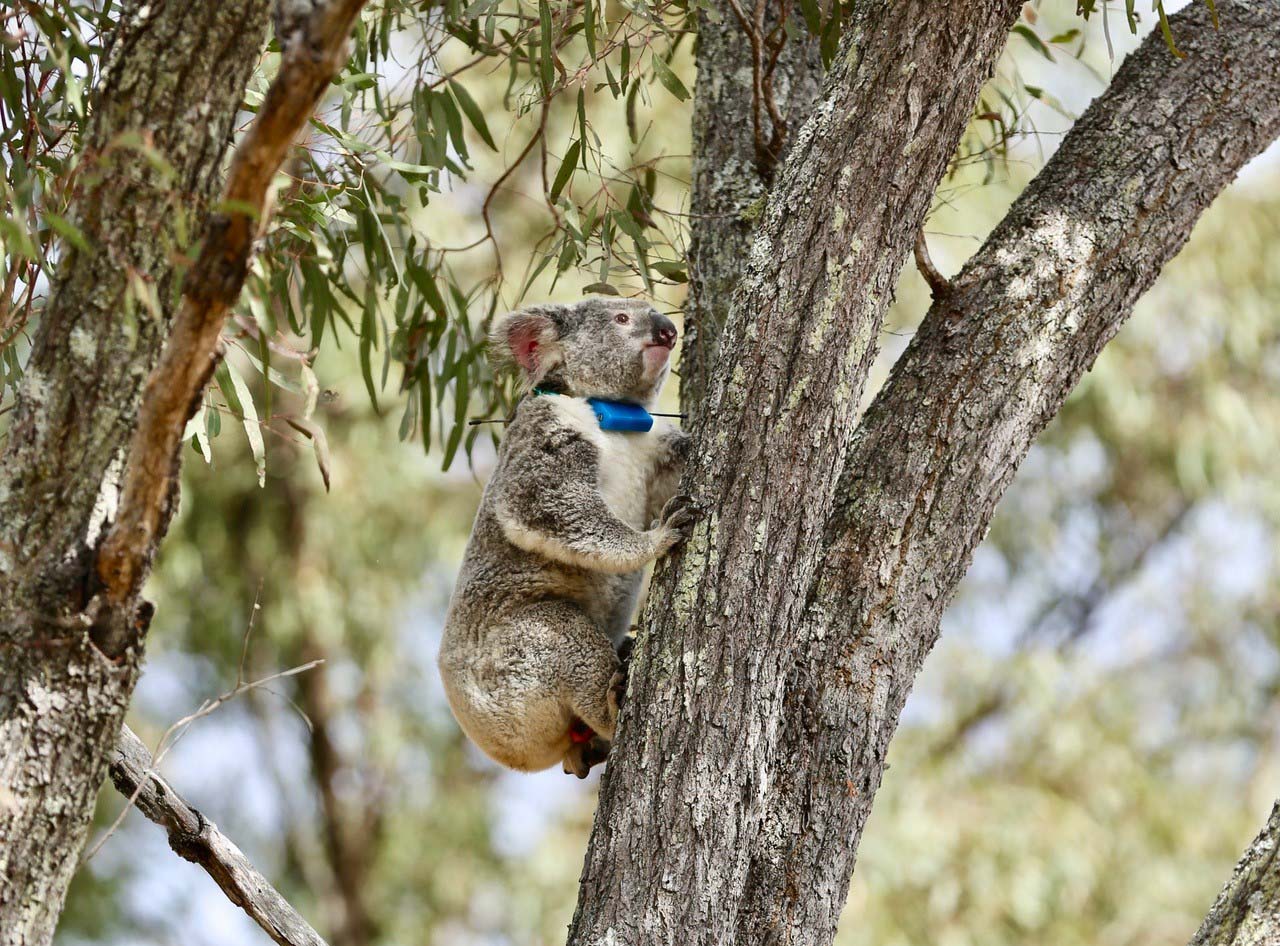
x: 664, y: 331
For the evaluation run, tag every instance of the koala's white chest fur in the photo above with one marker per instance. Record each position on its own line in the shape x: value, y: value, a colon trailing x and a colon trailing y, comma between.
x: 626, y: 459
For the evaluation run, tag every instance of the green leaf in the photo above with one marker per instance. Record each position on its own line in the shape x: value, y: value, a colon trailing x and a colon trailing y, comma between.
x: 1167, y: 32
x: 669, y: 79
x: 424, y: 398
x: 567, y: 167
x: 319, y: 444
x: 461, y: 394
x: 628, y: 225
x: 589, y: 27
x: 68, y: 231
x: 1034, y: 41
x: 368, y: 338
x: 546, y: 57
x: 197, y: 431
x: 427, y: 286
x: 473, y: 113
x: 671, y: 270
x: 249, y: 417
x: 812, y: 16
x: 1043, y: 96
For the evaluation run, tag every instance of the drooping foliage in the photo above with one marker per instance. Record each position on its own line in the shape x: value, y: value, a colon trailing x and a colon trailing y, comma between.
x: 466, y: 157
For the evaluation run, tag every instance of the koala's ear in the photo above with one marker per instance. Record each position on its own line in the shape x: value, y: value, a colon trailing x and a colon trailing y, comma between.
x: 526, y: 338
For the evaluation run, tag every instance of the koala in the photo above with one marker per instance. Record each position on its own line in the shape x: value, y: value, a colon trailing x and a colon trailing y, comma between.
x: 530, y: 657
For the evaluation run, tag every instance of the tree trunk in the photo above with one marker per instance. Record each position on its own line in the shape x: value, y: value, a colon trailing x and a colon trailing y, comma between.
x: 174, y: 81
x: 730, y: 180
x: 780, y: 645
x: 1247, y: 912
x: 989, y: 367
x: 850, y: 198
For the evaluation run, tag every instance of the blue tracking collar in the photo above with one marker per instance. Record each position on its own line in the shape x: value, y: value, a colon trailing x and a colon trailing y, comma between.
x: 617, y: 415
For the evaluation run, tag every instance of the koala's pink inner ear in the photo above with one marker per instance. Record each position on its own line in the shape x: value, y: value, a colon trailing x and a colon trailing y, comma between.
x: 525, y: 339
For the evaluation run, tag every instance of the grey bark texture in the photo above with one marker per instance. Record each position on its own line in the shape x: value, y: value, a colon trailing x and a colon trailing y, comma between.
x: 1247, y: 912
x: 197, y: 839
x: 730, y: 183
x: 777, y: 650
x: 174, y: 82
x: 989, y: 367
x: 849, y: 199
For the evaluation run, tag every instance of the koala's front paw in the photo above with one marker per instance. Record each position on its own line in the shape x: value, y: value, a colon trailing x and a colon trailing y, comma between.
x: 680, y: 444
x: 678, y: 518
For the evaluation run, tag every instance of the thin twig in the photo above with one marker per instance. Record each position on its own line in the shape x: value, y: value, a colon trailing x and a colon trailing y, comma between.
x: 939, y: 285
x: 181, y: 727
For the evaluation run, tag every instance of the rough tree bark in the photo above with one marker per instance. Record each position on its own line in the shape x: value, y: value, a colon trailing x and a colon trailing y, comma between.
x: 989, y: 367
x: 1247, y: 912
x: 781, y: 645
x: 730, y: 180
x: 850, y: 197
x: 175, y: 78
x: 88, y: 483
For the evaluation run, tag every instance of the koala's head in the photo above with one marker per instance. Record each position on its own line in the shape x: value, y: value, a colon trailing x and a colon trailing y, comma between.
x: 618, y: 349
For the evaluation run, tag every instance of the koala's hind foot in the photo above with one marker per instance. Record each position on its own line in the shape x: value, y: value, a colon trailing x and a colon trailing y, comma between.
x: 541, y: 671
x: 618, y: 685
x: 585, y: 753
x: 589, y: 749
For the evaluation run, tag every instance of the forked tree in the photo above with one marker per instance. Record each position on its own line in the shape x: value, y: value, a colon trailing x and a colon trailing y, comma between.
x: 778, y: 647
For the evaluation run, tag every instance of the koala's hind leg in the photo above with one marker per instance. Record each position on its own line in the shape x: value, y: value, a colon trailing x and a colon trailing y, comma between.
x: 588, y: 749
x: 544, y: 671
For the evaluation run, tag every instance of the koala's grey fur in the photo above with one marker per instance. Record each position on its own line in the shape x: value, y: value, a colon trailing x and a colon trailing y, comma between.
x: 568, y: 522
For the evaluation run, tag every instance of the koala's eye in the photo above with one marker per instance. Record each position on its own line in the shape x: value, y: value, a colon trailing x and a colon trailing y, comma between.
x: 622, y: 318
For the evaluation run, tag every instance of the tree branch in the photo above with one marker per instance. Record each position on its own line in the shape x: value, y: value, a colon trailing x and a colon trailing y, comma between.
x: 196, y: 839
x: 1247, y: 912
x: 939, y: 285
x: 315, y: 48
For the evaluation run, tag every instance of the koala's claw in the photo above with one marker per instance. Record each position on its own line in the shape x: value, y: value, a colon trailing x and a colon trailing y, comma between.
x: 617, y: 691
x: 625, y: 648
x: 679, y: 515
